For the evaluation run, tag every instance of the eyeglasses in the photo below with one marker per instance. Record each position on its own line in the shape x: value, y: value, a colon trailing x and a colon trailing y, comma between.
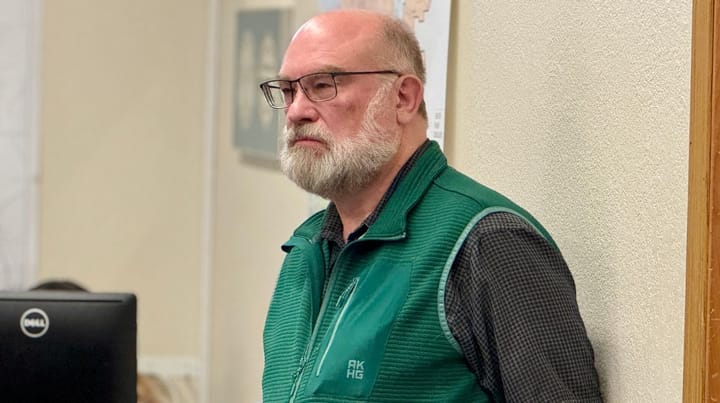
x: 317, y: 87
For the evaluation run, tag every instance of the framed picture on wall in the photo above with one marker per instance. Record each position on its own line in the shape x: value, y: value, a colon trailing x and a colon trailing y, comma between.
x: 260, y: 37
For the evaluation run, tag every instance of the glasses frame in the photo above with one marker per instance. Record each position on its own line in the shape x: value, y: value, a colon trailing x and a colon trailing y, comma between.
x: 266, y: 86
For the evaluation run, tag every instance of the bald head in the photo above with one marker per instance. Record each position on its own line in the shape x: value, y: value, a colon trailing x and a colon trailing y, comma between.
x: 366, y: 40
x: 341, y: 23
x: 353, y: 31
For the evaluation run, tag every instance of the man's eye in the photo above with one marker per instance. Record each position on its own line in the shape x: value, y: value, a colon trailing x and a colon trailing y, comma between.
x: 320, y: 85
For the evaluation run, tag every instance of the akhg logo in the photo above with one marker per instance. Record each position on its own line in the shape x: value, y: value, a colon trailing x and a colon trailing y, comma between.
x: 34, y: 323
x: 356, y: 369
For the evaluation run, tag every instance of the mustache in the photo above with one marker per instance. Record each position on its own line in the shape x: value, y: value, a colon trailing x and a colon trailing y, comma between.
x: 306, y: 132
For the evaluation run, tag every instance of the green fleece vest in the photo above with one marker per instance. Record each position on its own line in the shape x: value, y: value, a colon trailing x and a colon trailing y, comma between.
x: 373, y: 329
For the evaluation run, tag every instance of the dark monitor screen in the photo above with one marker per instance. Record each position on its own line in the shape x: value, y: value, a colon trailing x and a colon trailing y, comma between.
x: 67, y: 347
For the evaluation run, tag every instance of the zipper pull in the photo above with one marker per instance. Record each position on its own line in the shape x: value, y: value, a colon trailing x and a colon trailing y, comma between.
x: 299, y: 369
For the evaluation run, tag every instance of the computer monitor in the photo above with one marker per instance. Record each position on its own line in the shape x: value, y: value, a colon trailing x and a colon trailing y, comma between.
x: 68, y: 347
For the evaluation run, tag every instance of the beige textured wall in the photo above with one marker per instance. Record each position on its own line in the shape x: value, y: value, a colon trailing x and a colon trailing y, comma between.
x: 123, y: 94
x: 579, y: 111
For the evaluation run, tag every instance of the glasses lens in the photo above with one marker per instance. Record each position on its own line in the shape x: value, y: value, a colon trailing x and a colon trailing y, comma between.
x: 275, y: 92
x: 319, y: 87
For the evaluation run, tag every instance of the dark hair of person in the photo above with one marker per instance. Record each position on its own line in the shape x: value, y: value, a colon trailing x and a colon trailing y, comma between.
x: 58, y: 285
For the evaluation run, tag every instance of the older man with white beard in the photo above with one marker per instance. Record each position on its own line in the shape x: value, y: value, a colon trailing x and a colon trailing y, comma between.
x: 416, y: 284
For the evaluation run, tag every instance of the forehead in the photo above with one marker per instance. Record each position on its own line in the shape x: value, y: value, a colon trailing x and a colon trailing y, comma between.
x: 328, y: 45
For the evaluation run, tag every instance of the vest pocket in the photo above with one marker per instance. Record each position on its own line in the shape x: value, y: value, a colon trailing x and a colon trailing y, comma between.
x: 351, y: 351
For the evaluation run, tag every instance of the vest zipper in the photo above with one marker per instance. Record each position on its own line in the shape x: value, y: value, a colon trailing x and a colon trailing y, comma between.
x: 297, y: 377
x: 308, y: 349
x: 344, y: 301
x: 327, y: 291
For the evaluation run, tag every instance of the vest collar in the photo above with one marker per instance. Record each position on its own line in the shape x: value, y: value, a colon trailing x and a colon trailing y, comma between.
x: 392, y: 220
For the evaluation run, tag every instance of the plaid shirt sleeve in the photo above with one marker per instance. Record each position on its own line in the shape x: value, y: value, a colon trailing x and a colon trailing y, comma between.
x: 510, y: 304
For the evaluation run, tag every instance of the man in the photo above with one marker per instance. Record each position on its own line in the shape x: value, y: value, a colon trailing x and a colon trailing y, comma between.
x: 416, y: 284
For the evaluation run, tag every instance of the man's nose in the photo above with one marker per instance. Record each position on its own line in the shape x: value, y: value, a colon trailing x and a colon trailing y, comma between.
x: 301, y: 110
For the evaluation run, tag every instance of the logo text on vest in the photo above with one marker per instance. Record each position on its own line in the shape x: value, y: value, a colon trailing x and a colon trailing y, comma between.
x: 355, y: 369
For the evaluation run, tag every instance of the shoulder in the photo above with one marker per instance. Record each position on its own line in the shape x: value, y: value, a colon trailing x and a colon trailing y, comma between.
x: 461, y: 185
x: 493, y: 210
x: 507, y: 231
x: 498, y: 221
x: 510, y: 250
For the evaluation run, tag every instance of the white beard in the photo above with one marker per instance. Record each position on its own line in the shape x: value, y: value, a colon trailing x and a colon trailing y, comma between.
x: 348, y: 165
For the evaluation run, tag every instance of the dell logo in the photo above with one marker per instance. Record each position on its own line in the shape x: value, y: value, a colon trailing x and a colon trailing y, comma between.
x: 34, y: 323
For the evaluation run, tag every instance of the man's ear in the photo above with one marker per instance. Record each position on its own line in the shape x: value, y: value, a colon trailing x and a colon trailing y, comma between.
x: 410, y: 96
